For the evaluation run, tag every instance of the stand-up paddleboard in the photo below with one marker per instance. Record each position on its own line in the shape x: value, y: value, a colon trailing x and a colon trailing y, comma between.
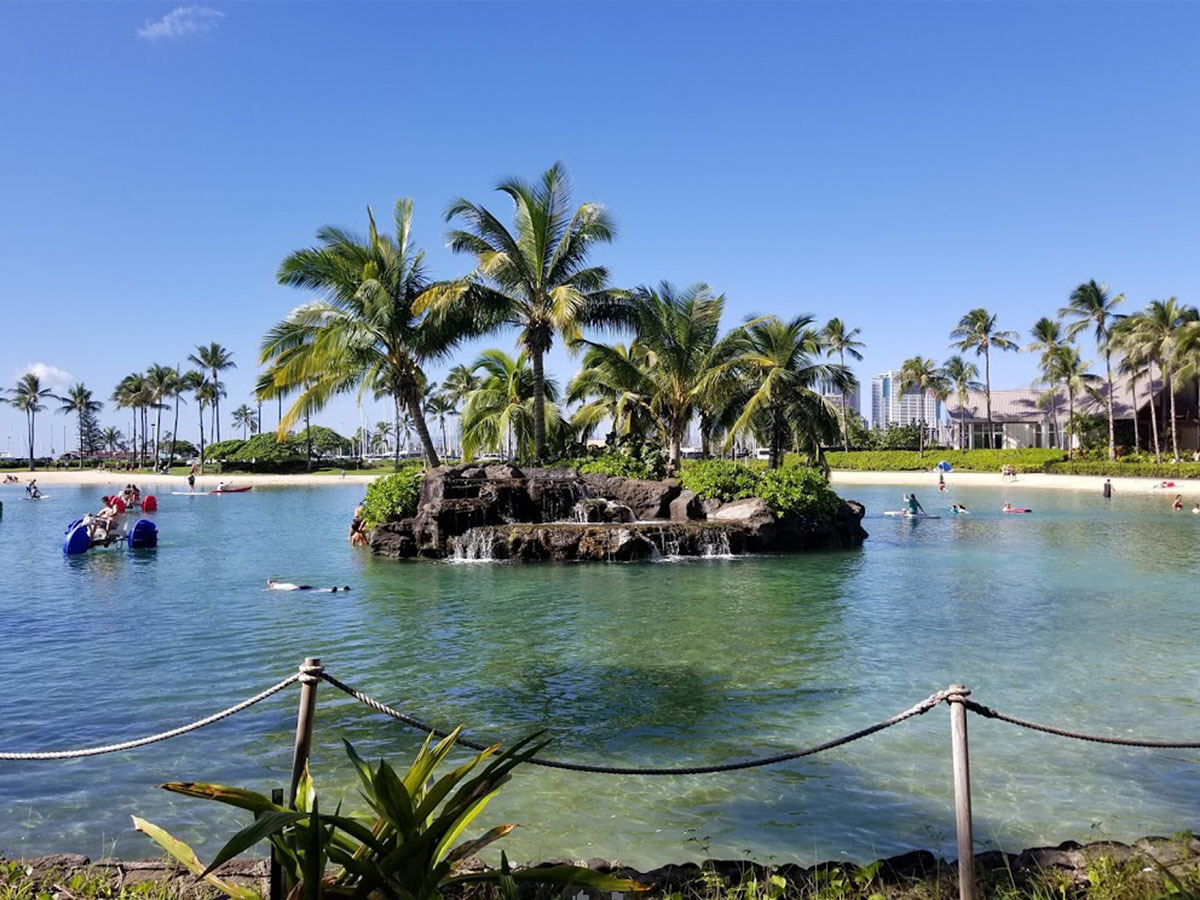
x: 240, y: 490
x: 905, y: 514
x: 191, y: 493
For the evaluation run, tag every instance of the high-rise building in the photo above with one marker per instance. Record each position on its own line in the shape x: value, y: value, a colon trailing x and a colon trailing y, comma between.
x: 833, y: 394
x: 891, y: 406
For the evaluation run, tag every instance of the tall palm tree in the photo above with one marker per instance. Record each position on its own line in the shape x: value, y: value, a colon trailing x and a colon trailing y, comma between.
x: 243, y: 418
x: 1091, y: 306
x: 366, y: 333
x: 614, y: 384
x: 840, y: 340
x: 27, y: 397
x: 924, y: 375
x: 962, y: 377
x: 1046, y: 336
x: 1069, y: 369
x: 440, y: 404
x: 204, y: 392
x: 1159, y: 331
x: 214, y: 359
x: 679, y: 355
x: 78, y: 400
x: 778, y: 362
x: 134, y: 393
x: 112, y: 440
x: 160, y: 381
x: 977, y: 331
x: 536, y: 276
x: 499, y: 413
x: 1135, y: 365
x: 381, y: 437
x: 175, y: 386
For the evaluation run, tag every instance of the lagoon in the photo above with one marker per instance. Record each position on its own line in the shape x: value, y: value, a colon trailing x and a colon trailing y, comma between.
x: 1082, y: 614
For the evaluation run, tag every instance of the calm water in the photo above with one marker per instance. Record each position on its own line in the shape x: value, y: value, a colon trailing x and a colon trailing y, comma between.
x: 1084, y: 613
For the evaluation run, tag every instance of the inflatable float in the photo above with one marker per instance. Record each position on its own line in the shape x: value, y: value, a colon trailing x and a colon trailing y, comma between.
x: 1017, y: 510
x: 142, y: 536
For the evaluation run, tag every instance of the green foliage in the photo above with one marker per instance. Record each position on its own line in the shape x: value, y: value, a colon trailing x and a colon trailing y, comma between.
x: 1028, y: 460
x: 798, y: 490
x: 628, y: 457
x: 1092, y: 430
x: 719, y: 479
x: 393, y: 496
x: 406, y: 848
x: 325, y: 441
x: 225, y: 449
x: 1123, y: 469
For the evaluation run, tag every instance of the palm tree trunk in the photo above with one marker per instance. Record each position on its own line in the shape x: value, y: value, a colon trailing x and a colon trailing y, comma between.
x: 174, y: 431
x: 307, y: 440
x: 1071, y: 422
x: 921, y: 429
x: 1112, y: 444
x: 442, y: 422
x: 1137, y: 442
x: 31, y: 432
x: 1174, y: 427
x: 1154, y: 421
x: 216, y: 407
x: 81, y: 440
x: 418, y: 417
x: 987, y: 395
x: 158, y: 433
x: 539, y: 406
x: 396, y: 423
x: 201, y: 408
x: 845, y: 420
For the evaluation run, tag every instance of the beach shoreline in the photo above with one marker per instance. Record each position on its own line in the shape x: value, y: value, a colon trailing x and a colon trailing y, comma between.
x: 1093, y: 483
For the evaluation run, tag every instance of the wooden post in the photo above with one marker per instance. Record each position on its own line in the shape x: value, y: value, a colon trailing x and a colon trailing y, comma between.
x: 275, y: 875
x: 962, y: 792
x: 304, y: 722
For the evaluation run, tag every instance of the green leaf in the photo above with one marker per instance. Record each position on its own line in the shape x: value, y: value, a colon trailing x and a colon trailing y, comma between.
x: 263, y: 827
x: 238, y: 797
x: 187, y: 856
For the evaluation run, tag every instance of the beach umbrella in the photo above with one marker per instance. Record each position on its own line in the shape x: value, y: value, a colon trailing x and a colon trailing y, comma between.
x: 943, y: 466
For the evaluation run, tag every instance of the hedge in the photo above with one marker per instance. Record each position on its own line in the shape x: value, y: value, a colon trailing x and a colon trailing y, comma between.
x: 1120, y: 469
x: 1028, y: 460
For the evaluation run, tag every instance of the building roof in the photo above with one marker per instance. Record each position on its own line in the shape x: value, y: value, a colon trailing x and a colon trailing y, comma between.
x: 1034, y: 405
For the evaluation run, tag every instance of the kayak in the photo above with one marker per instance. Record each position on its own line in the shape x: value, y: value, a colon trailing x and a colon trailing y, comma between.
x: 240, y: 490
x: 1022, y: 510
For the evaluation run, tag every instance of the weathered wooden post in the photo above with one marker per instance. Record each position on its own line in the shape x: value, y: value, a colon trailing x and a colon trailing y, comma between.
x: 962, y: 792
x: 309, y: 677
x: 274, y: 874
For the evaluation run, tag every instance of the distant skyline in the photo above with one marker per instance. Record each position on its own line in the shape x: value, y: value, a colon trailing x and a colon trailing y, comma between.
x: 892, y: 164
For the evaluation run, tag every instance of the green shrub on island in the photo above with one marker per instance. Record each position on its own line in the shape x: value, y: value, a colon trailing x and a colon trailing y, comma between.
x: 617, y: 464
x: 720, y: 479
x: 798, y: 490
x: 225, y: 450
x: 394, y: 496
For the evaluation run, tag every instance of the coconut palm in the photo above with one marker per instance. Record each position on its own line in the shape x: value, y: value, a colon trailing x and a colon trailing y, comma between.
x: 27, y: 397
x: 78, y: 399
x: 439, y: 404
x: 243, y: 418
x: 924, y: 375
x: 135, y: 394
x: 1046, y: 336
x: 214, y: 359
x: 839, y: 340
x: 175, y: 385
x: 962, y: 378
x: 160, y: 381
x: 112, y: 440
x: 382, y: 435
x: 499, y: 413
x: 977, y: 331
x: 1068, y: 368
x: 1091, y: 306
x: 614, y: 384
x: 366, y: 332
x: 536, y: 276
x: 1135, y: 364
x: 777, y: 361
x: 1160, y: 332
x: 677, y: 357
x: 205, y: 393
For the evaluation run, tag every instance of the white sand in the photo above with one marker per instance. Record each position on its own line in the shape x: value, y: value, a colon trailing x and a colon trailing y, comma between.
x: 1093, y: 483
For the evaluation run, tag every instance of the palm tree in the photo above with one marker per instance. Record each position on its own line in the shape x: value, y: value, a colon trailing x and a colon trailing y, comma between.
x: 160, y: 381
x: 962, y: 377
x: 536, y: 277
x: 381, y: 437
x: 1160, y: 333
x: 1069, y: 369
x: 440, y: 404
x: 841, y: 341
x: 243, y: 418
x: 977, y: 331
x: 678, y: 355
x: 1046, y: 337
x: 134, y: 393
x: 112, y: 440
x: 614, y: 385
x: 367, y: 332
x: 1091, y: 306
x: 214, y: 359
x: 777, y: 362
x: 27, y: 396
x: 204, y: 392
x: 1135, y: 364
x: 78, y: 400
x: 499, y: 413
x: 174, y: 388
x: 924, y: 375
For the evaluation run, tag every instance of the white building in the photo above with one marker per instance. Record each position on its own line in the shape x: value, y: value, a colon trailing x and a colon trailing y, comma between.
x: 890, y: 406
x: 833, y: 394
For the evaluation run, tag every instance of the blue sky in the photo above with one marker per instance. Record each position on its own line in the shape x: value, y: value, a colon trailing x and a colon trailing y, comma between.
x: 894, y: 164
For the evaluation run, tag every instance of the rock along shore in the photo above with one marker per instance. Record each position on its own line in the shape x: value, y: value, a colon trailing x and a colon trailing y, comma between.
x: 502, y: 512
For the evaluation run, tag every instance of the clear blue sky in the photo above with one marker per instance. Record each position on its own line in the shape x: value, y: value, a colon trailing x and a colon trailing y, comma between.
x: 894, y: 164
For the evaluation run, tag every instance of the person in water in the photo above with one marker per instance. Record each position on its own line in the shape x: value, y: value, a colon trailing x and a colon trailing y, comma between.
x: 1107, y: 488
x: 273, y: 585
x: 358, y: 534
x: 32, y: 490
x: 1008, y: 506
x: 1177, y: 503
x: 941, y: 481
x: 914, y: 505
x: 958, y: 508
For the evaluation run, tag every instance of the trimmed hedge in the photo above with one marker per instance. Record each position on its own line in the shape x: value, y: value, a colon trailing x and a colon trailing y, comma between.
x: 1029, y: 460
x: 1126, y: 469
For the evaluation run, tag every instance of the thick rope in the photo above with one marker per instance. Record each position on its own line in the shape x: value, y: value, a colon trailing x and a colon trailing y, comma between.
x: 161, y: 736
x: 988, y: 713
x: 924, y: 706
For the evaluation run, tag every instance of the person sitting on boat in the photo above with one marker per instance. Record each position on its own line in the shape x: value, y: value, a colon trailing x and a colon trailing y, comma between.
x: 32, y: 490
x: 221, y: 485
x: 103, y: 523
x: 914, y: 505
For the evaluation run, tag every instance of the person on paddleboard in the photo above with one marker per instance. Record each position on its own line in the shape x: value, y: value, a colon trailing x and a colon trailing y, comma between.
x: 914, y: 507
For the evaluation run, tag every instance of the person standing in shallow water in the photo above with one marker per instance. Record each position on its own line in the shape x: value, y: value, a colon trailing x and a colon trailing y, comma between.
x: 1107, y: 488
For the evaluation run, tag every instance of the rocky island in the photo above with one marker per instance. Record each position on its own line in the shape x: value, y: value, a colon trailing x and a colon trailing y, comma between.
x: 474, y: 512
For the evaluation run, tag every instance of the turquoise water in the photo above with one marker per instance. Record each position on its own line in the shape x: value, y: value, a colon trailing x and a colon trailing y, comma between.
x: 1083, y: 614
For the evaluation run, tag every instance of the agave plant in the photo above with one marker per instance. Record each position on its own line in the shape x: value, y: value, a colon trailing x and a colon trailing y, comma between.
x: 406, y: 848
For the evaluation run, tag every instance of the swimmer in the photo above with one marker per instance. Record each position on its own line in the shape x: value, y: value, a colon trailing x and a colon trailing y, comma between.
x: 273, y: 585
x: 1008, y: 507
x: 1177, y: 503
x: 958, y: 509
x: 941, y: 482
x: 1196, y: 510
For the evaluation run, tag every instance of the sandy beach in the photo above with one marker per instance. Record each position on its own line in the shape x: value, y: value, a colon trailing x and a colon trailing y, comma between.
x: 1190, y: 488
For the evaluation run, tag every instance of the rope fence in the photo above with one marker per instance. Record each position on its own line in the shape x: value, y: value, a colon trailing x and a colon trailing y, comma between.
x: 311, y: 673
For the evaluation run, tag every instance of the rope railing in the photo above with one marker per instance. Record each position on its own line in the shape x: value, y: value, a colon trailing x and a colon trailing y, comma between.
x: 312, y: 673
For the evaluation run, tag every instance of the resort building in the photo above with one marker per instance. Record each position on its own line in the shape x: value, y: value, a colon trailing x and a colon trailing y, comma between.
x: 1036, y: 418
x: 891, y: 406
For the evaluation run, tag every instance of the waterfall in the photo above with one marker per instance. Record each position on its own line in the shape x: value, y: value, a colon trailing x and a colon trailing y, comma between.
x: 476, y: 545
x: 714, y: 544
